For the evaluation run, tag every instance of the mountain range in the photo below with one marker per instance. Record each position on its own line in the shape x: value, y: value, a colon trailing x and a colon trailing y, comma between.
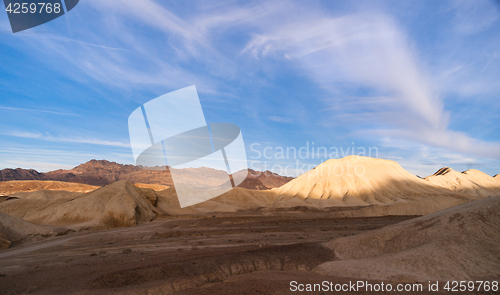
x: 353, y: 186
x: 103, y: 172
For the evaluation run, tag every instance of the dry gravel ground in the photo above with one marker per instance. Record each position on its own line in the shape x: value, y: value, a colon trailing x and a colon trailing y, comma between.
x: 177, y: 253
x: 212, y: 254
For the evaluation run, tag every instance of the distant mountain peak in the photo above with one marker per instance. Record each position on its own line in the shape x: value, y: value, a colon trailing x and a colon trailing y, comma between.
x: 443, y: 171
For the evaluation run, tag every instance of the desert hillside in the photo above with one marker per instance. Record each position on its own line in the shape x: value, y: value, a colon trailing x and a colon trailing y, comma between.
x: 13, y: 230
x: 470, y: 182
x: 361, y: 181
x: 237, y: 199
x: 26, y: 188
x: 268, y: 178
x: 459, y: 243
x: 15, y: 186
x: 253, y: 183
x: 115, y: 205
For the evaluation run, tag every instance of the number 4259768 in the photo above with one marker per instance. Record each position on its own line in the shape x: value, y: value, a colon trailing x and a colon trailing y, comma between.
x: 487, y: 286
x: 33, y: 8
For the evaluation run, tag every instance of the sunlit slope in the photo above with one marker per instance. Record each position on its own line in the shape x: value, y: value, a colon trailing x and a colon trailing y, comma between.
x: 16, y: 186
x: 359, y: 181
x: 471, y: 182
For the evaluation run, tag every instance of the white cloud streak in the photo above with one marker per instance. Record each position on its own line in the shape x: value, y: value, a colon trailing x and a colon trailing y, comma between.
x: 37, y: 110
x: 370, y: 50
x: 66, y: 139
x: 122, y: 55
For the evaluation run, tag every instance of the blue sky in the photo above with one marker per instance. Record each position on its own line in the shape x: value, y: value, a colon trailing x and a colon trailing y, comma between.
x: 417, y: 80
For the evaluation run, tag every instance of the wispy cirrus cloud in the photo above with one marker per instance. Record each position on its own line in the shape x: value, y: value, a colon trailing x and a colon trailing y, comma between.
x: 473, y: 16
x: 47, y: 137
x: 370, y: 50
x: 38, y: 111
x: 124, y: 55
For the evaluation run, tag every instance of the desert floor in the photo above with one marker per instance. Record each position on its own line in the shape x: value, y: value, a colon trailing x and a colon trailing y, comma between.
x: 257, y: 253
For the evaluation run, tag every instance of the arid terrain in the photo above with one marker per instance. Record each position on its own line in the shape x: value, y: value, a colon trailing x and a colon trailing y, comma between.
x: 383, y: 225
x: 177, y: 254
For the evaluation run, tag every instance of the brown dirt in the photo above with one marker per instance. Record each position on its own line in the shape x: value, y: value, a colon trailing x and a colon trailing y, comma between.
x: 459, y: 243
x: 222, y: 253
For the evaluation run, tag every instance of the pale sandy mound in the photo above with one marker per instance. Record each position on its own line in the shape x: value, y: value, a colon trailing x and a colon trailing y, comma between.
x: 13, y: 229
x: 114, y: 205
x: 156, y: 187
x: 15, y: 186
x: 459, y: 243
x: 362, y: 181
x: 471, y: 182
x: 235, y: 200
